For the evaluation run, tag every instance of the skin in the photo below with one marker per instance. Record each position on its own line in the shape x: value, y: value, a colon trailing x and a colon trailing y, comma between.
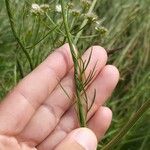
x: 37, y: 114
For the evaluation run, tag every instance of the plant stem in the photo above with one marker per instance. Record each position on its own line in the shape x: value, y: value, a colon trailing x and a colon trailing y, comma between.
x: 128, y: 126
x: 75, y: 57
x: 7, y: 2
x: 85, y: 22
x: 52, y: 22
x: 50, y: 31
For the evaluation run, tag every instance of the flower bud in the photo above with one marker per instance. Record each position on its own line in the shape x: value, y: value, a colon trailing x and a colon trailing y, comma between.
x: 101, y: 30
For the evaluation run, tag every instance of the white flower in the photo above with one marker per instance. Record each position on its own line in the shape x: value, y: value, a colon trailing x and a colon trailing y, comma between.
x: 36, y: 7
x: 58, y: 8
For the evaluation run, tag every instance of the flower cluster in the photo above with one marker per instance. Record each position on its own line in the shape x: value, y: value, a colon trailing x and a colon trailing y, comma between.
x: 39, y: 9
x: 86, y: 5
x: 58, y: 8
x: 102, y: 30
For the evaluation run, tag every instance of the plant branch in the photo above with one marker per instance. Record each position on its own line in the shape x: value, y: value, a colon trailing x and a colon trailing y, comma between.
x: 84, y: 22
x: 44, y: 37
x: 7, y: 2
x: 77, y: 75
x: 53, y: 23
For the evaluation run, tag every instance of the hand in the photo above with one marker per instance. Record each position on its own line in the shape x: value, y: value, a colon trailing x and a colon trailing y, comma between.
x: 38, y: 115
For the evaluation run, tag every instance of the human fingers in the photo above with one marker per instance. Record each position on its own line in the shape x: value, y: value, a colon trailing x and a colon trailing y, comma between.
x: 79, y: 139
x: 69, y: 121
x: 21, y: 103
x: 100, y: 121
x: 50, y: 112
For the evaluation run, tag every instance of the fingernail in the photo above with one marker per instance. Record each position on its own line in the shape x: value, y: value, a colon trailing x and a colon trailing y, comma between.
x: 86, y: 138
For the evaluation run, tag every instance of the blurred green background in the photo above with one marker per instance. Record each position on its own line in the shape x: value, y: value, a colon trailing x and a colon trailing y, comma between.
x: 128, y: 25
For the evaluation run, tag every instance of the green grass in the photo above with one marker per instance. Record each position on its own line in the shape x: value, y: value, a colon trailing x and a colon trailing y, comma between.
x: 128, y: 24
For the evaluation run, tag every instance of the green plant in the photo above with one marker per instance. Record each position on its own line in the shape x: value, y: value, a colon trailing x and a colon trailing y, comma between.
x: 79, y: 74
x: 128, y: 26
x: 15, y: 33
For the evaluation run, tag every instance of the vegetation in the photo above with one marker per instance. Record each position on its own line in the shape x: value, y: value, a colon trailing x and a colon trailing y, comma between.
x: 38, y: 30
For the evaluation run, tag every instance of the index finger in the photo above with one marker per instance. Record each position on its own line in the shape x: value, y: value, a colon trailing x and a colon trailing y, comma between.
x: 21, y: 103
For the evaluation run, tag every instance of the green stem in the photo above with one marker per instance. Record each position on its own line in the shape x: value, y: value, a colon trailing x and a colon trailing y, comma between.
x: 50, y: 31
x: 128, y: 126
x: 84, y: 22
x: 7, y: 2
x: 75, y: 57
x: 53, y: 23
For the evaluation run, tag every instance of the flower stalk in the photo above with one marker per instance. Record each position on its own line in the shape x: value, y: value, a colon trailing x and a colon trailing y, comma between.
x: 85, y: 21
x: 77, y: 75
x: 81, y: 81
